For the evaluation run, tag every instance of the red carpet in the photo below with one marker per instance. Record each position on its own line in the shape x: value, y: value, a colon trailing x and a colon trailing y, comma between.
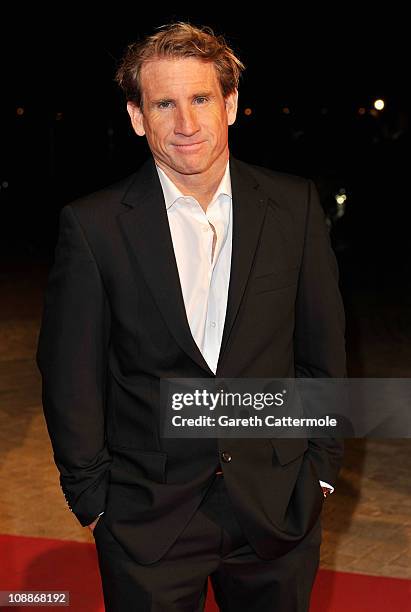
x: 53, y: 565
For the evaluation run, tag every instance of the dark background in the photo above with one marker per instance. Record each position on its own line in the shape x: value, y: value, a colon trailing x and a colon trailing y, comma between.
x: 72, y: 134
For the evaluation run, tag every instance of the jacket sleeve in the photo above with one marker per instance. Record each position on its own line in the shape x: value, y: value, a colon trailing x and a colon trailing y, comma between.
x: 72, y: 359
x: 319, y: 340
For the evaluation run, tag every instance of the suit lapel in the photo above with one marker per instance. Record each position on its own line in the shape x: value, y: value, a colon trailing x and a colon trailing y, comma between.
x: 249, y: 207
x: 145, y: 226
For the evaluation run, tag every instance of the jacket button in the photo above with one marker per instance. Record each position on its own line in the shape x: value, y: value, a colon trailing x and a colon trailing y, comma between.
x: 226, y: 457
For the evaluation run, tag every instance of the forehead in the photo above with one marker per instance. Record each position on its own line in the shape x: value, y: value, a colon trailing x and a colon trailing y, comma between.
x: 166, y: 77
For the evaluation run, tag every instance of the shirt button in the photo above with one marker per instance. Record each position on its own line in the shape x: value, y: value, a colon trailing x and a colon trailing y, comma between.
x: 226, y: 457
x: 212, y: 323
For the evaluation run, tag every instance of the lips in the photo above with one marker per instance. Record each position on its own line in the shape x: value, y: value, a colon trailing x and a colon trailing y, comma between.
x: 188, y: 147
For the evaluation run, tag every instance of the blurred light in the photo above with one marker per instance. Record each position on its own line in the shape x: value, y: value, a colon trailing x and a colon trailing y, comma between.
x: 361, y: 110
x: 341, y: 200
x: 59, y: 116
x: 379, y: 104
x: 286, y: 110
x: 5, y: 184
x: 373, y: 112
x: 20, y: 111
x: 341, y: 196
x: 324, y: 110
x: 248, y: 111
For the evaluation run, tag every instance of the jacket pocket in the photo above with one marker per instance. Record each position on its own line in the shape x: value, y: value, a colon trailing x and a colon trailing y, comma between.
x: 278, y: 279
x: 130, y: 464
x: 288, y: 449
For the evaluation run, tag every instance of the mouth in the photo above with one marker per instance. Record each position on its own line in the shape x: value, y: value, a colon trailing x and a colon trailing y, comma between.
x: 188, y: 148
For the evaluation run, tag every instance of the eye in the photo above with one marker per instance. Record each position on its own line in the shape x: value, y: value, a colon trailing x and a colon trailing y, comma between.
x: 164, y: 104
x: 200, y: 100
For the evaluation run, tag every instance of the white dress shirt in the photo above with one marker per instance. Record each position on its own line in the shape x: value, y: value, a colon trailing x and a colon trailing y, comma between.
x: 204, y: 277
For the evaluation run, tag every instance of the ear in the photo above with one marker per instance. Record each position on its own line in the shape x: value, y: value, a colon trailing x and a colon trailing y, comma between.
x: 137, y: 119
x: 231, y: 104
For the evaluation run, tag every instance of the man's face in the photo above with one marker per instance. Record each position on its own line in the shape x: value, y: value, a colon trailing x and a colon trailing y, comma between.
x: 184, y: 116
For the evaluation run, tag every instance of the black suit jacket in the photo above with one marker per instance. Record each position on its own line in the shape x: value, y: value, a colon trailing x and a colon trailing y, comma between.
x: 114, y: 324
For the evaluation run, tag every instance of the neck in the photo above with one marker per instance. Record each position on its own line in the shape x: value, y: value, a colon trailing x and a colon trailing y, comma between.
x: 200, y: 186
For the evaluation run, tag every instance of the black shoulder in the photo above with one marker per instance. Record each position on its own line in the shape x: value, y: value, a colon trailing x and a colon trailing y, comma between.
x: 103, y: 200
x: 263, y: 174
x: 280, y: 186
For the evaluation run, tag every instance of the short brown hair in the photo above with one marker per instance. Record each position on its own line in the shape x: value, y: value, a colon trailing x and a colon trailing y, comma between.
x: 179, y: 40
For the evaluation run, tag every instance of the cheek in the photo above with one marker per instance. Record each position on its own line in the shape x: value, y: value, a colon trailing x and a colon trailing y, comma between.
x: 157, y: 135
x: 219, y: 122
x: 157, y: 128
x: 220, y: 130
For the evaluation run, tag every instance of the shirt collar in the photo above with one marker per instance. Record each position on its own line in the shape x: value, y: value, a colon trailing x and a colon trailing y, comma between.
x: 172, y: 193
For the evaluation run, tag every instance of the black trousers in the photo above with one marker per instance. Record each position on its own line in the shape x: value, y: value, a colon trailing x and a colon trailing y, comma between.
x: 211, y: 545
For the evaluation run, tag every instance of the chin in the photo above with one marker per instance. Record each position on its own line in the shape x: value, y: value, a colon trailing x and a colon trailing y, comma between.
x: 190, y: 167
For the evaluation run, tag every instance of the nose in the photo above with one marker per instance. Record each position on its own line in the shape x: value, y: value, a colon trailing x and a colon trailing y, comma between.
x: 186, y: 121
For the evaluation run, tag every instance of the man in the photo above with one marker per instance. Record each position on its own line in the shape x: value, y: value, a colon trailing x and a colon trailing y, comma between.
x: 197, y: 266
